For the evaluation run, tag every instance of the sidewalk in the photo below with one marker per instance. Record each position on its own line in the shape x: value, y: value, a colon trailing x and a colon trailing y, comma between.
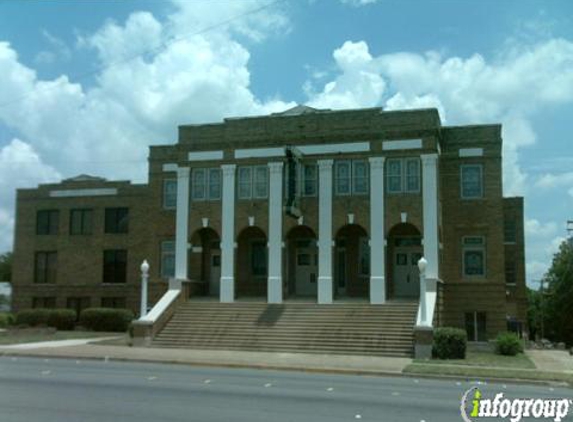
x: 372, y: 365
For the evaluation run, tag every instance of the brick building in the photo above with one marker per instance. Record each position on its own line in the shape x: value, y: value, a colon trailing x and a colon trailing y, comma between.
x: 317, y: 204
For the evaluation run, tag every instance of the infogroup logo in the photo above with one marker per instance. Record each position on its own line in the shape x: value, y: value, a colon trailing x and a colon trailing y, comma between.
x: 475, y: 407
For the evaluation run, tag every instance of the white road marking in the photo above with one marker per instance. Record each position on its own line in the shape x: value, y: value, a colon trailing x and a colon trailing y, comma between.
x: 416, y: 381
x: 358, y: 417
x: 207, y: 382
x: 458, y: 383
x: 106, y: 359
x: 46, y: 372
x: 329, y: 389
x: 395, y: 393
x: 151, y: 378
x: 267, y: 385
x: 46, y: 360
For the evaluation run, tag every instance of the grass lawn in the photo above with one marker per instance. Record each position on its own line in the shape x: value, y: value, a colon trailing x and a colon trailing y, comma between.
x: 17, y: 336
x: 488, y: 359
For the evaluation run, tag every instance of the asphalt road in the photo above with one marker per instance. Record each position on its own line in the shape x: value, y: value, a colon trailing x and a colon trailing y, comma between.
x: 57, y: 390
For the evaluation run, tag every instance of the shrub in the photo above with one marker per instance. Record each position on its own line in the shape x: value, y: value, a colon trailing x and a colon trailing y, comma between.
x: 6, y: 319
x: 32, y: 317
x: 106, y: 319
x: 450, y: 343
x: 62, y: 319
x: 508, y: 344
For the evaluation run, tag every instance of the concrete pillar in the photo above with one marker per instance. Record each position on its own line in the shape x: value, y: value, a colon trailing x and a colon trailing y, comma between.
x: 275, y: 281
x: 430, y: 201
x: 325, y: 232
x: 227, y: 285
x: 377, y: 232
x: 182, y: 223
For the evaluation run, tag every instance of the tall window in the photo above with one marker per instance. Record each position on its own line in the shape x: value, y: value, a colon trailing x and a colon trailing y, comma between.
x: 199, y: 184
x: 309, y: 179
x: 476, y: 326
x: 342, y: 177
x: 214, y: 183
x: 81, y: 221
x: 114, y: 266
x: 168, y: 259
x: 403, y: 175
x: 351, y: 177
x: 471, y: 181
x: 510, y: 271
x: 206, y: 184
x: 259, y: 258
x: 45, y: 267
x: 253, y: 182
x: 47, y: 221
x: 359, y: 177
x: 509, y: 231
x: 474, y: 256
x: 116, y: 220
x: 170, y: 194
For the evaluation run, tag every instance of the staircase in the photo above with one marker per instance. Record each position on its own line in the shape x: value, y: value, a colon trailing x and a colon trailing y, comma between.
x: 341, y: 328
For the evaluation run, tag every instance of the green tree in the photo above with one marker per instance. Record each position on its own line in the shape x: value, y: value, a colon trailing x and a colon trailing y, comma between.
x: 534, y: 313
x: 6, y: 266
x: 558, y: 298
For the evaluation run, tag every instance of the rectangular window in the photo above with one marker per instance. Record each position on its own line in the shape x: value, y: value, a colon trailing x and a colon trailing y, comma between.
x: 360, y: 177
x: 45, y: 267
x: 412, y: 175
x: 116, y: 220
x: 342, y: 177
x: 476, y: 326
x: 309, y: 179
x: 199, y: 184
x: 81, y: 221
x: 394, y: 176
x: 261, y: 182
x: 113, y: 302
x: 245, y: 183
x: 259, y: 258
x: 472, y: 181
x: 509, y: 231
x: 47, y: 221
x: 510, y: 273
x: 114, y: 266
x: 44, y: 302
x: 168, y: 259
x: 474, y: 256
x: 170, y: 194
x: 214, y: 184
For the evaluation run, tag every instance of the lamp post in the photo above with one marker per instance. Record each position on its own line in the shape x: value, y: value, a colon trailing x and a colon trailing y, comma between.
x: 144, y: 278
x: 422, y: 264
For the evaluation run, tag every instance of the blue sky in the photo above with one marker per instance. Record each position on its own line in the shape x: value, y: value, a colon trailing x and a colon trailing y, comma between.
x: 81, y: 79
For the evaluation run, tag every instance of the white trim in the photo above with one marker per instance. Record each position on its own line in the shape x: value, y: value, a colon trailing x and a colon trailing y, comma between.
x: 228, y: 244
x: 275, y: 241
x: 325, y: 231
x: 160, y: 307
x: 182, y: 223
x: 205, y: 155
x: 403, y: 144
x: 334, y: 148
x: 169, y: 167
x: 470, y: 152
x: 377, y: 239
x: 68, y: 193
x: 260, y: 152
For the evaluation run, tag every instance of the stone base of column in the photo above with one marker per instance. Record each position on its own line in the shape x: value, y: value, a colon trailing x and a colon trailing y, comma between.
x: 227, y: 292
x: 377, y: 290
x: 324, y: 290
x: 275, y: 290
x: 423, y: 342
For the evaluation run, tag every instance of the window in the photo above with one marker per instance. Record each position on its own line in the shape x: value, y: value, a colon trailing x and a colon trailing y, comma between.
x: 113, y: 302
x: 476, y: 326
x: 214, y: 183
x: 253, y: 182
x: 170, y: 194
x: 168, y: 259
x: 342, y: 177
x: 81, y: 221
x: 360, y: 177
x: 116, y: 220
x: 509, y: 231
x: 309, y: 179
x: 44, y: 302
x: 259, y: 258
x: 78, y: 304
x: 472, y: 181
x: 510, y: 273
x: 403, y: 175
x: 114, y: 266
x: 45, y: 266
x: 47, y: 222
x: 364, y: 256
x: 199, y: 184
x: 351, y: 177
x: 474, y: 256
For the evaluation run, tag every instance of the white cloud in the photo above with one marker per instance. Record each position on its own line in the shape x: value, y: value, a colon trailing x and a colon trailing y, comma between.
x: 357, y: 3
x: 534, y: 228
x: 552, y: 181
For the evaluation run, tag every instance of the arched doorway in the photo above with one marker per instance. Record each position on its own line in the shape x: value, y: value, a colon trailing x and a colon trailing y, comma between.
x: 351, y: 262
x: 205, y: 260
x: 404, y: 252
x: 252, y: 263
x: 302, y: 262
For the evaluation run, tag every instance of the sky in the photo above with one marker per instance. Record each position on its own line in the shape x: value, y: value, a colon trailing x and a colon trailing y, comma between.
x: 86, y: 86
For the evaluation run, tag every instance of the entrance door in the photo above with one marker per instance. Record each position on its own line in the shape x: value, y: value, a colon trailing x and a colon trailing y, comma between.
x: 215, y: 272
x: 306, y: 260
x: 406, y: 273
x: 341, y: 269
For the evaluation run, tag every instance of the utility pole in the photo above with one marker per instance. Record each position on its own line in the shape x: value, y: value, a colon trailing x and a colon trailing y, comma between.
x: 570, y: 232
x: 542, y: 296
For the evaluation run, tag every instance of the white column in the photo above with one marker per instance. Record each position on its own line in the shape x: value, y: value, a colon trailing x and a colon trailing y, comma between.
x: 227, y: 285
x: 430, y: 197
x: 182, y: 223
x: 275, y: 281
x: 325, y: 232
x: 377, y: 244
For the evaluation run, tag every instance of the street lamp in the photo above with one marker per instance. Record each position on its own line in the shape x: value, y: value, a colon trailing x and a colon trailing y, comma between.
x: 144, y: 278
x: 422, y: 264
